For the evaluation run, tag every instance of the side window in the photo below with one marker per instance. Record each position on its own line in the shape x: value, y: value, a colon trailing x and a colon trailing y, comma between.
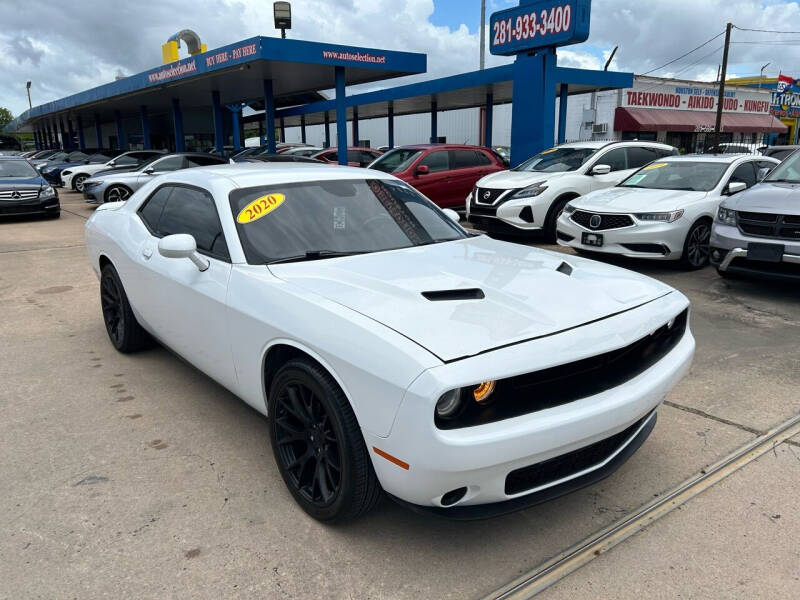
x: 171, y: 163
x: 639, y: 156
x: 436, y: 161
x: 781, y: 154
x: 150, y: 211
x: 191, y: 211
x: 354, y: 156
x: 614, y: 158
x: 330, y: 156
x: 367, y: 157
x: 482, y: 159
x: 127, y: 160
x: 744, y: 173
x: 463, y: 159
x: 203, y: 161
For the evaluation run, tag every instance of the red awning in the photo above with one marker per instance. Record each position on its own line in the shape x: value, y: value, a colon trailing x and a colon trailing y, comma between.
x: 648, y: 119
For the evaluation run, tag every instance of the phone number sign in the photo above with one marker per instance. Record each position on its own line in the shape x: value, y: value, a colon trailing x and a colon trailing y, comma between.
x: 539, y: 24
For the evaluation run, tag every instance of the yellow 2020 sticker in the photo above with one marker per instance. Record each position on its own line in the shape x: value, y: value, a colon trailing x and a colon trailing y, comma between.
x: 549, y: 151
x: 654, y: 166
x: 260, y: 207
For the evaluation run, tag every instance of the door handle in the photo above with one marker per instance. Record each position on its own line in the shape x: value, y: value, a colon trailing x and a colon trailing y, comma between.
x: 147, y: 252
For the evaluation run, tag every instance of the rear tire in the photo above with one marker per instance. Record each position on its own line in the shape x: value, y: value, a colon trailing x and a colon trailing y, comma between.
x: 122, y: 327
x: 318, y: 444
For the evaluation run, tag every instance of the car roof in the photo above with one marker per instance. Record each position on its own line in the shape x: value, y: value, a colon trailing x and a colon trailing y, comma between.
x: 720, y: 158
x: 603, y: 143
x: 441, y: 147
x: 245, y: 175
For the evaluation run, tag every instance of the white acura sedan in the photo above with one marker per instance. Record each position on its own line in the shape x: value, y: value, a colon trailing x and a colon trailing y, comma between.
x: 663, y: 211
x: 392, y: 351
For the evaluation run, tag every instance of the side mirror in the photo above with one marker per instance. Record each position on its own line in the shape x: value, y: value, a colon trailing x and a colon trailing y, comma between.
x: 601, y: 169
x: 422, y: 170
x: 149, y: 171
x: 182, y: 245
x: 734, y: 187
x: 112, y: 163
x: 452, y: 215
x: 763, y: 172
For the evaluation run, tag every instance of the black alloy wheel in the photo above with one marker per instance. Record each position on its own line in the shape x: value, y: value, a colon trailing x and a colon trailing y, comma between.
x: 318, y: 444
x: 117, y: 193
x: 122, y: 327
x: 77, y: 182
x: 307, y: 444
x: 696, y: 249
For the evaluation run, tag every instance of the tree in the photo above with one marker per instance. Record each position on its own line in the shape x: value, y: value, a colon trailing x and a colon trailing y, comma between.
x: 5, y: 117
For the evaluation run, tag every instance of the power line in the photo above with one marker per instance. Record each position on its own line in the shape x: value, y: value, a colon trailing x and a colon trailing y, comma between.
x: 764, y: 30
x: 685, y: 55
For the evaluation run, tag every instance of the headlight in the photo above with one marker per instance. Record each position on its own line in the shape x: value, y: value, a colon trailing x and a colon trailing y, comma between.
x: 89, y: 183
x: 726, y: 216
x: 665, y: 217
x: 569, y: 209
x: 530, y: 191
x: 47, y: 192
x: 449, y: 405
x: 66, y: 172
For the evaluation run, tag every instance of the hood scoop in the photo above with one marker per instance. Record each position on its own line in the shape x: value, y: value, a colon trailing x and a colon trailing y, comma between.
x: 564, y: 268
x: 448, y: 295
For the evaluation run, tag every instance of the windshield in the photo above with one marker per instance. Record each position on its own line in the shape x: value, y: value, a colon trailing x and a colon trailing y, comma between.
x: 288, y: 221
x: 57, y: 156
x: 557, y: 160
x: 696, y: 176
x: 98, y: 158
x: 395, y: 161
x: 17, y: 168
x: 788, y: 170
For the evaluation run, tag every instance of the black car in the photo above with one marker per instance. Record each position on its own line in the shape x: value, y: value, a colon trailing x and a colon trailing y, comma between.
x: 23, y: 191
x: 8, y: 142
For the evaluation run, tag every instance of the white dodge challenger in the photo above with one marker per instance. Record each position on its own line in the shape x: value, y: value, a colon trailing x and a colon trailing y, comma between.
x: 391, y: 350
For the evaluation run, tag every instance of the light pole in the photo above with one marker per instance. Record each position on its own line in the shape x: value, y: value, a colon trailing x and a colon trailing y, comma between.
x: 28, y: 89
x: 761, y: 77
x: 283, y: 16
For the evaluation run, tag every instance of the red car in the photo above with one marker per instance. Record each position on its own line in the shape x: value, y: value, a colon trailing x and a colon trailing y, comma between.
x: 356, y: 157
x: 445, y: 173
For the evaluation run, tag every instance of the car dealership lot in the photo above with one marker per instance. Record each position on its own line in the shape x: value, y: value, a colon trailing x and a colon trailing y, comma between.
x: 137, y: 475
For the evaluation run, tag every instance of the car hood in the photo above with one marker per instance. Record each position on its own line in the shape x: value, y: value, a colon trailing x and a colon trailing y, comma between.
x: 116, y: 175
x: 633, y: 200
x: 525, y: 296
x: 20, y: 182
x: 518, y: 179
x: 767, y: 197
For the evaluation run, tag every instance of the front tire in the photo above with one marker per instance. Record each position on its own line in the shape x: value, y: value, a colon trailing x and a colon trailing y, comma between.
x: 122, y: 327
x: 318, y: 444
x: 77, y: 182
x: 696, y: 247
x: 117, y: 193
x: 552, y: 217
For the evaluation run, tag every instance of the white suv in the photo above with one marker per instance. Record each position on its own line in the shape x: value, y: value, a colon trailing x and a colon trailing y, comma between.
x: 531, y: 196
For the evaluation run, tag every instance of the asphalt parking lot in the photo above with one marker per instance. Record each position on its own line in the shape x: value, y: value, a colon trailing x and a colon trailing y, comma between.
x: 137, y: 476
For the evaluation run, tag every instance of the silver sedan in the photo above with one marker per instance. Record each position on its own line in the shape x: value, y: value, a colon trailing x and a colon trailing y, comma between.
x: 117, y: 185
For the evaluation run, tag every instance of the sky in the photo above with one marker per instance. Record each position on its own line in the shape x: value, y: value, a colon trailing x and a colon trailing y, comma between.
x: 67, y: 47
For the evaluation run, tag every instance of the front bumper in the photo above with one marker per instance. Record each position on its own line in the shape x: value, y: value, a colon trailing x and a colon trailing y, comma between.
x: 481, y: 458
x: 729, y: 254
x: 13, y: 208
x: 93, y: 193
x: 656, y: 241
x: 508, y: 216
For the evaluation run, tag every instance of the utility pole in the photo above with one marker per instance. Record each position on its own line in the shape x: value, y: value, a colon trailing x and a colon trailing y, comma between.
x: 723, y: 74
x: 483, y: 34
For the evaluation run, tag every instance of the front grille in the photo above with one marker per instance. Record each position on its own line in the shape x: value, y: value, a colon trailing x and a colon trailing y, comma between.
x: 493, y: 195
x: 547, y: 388
x: 785, y: 227
x: 23, y: 194
x: 583, y: 219
x: 558, y: 467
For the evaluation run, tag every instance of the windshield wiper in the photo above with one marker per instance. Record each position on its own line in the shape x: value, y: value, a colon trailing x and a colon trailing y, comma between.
x: 314, y: 255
